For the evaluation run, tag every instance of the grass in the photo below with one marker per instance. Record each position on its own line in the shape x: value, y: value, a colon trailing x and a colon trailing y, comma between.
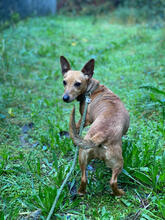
x: 34, y: 158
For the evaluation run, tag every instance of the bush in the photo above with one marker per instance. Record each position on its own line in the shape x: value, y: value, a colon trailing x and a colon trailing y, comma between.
x: 148, y: 8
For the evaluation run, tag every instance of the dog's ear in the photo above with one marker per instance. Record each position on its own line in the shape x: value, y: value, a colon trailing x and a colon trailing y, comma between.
x: 65, y: 66
x: 88, y: 69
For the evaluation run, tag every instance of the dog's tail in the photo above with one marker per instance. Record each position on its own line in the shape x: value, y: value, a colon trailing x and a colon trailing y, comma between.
x: 77, y: 140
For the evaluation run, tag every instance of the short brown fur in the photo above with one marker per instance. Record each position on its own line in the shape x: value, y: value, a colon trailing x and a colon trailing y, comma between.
x: 107, y: 116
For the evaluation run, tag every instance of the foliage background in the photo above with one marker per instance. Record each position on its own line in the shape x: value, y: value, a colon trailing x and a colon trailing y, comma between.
x: 145, y: 8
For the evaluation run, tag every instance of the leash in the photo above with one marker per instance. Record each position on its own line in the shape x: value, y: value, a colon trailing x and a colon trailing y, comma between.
x: 87, y: 101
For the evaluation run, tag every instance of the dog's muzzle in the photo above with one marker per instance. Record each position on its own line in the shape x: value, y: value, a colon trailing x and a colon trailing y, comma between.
x: 66, y: 98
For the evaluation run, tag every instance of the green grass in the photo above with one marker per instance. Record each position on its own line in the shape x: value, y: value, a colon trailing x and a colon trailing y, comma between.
x: 34, y: 164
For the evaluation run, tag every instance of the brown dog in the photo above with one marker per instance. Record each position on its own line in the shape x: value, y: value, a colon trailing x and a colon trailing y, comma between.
x: 108, y: 118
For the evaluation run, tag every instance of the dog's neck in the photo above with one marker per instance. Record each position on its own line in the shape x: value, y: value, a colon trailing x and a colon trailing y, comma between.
x: 92, y: 86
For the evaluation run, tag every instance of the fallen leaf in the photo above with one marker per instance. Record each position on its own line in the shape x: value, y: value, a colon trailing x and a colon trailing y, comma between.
x: 10, y: 112
x: 74, y: 44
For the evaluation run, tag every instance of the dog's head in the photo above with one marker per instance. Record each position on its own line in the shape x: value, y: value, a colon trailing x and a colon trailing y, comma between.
x: 75, y: 82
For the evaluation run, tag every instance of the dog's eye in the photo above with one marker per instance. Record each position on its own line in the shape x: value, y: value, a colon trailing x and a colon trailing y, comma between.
x: 77, y: 84
x: 64, y: 82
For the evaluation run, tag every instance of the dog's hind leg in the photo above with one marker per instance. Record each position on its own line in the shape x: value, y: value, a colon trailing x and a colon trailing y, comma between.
x: 113, y: 182
x: 114, y: 160
x: 84, y: 159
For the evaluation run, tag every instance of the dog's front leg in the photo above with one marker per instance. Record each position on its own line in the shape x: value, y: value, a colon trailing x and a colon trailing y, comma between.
x: 78, y: 124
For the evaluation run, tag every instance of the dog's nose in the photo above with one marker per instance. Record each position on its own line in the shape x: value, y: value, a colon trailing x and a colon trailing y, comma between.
x: 66, y: 98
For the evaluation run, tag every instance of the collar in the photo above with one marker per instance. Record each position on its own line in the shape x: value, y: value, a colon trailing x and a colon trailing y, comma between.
x: 92, y: 86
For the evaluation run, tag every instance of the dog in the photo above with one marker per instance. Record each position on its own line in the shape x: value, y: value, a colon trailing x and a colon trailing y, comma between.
x: 107, y: 116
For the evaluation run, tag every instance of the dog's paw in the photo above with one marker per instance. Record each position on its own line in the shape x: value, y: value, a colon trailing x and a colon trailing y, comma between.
x: 119, y: 192
x: 81, y: 192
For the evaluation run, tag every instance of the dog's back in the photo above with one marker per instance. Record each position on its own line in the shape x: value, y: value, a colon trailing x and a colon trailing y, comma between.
x: 107, y: 115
